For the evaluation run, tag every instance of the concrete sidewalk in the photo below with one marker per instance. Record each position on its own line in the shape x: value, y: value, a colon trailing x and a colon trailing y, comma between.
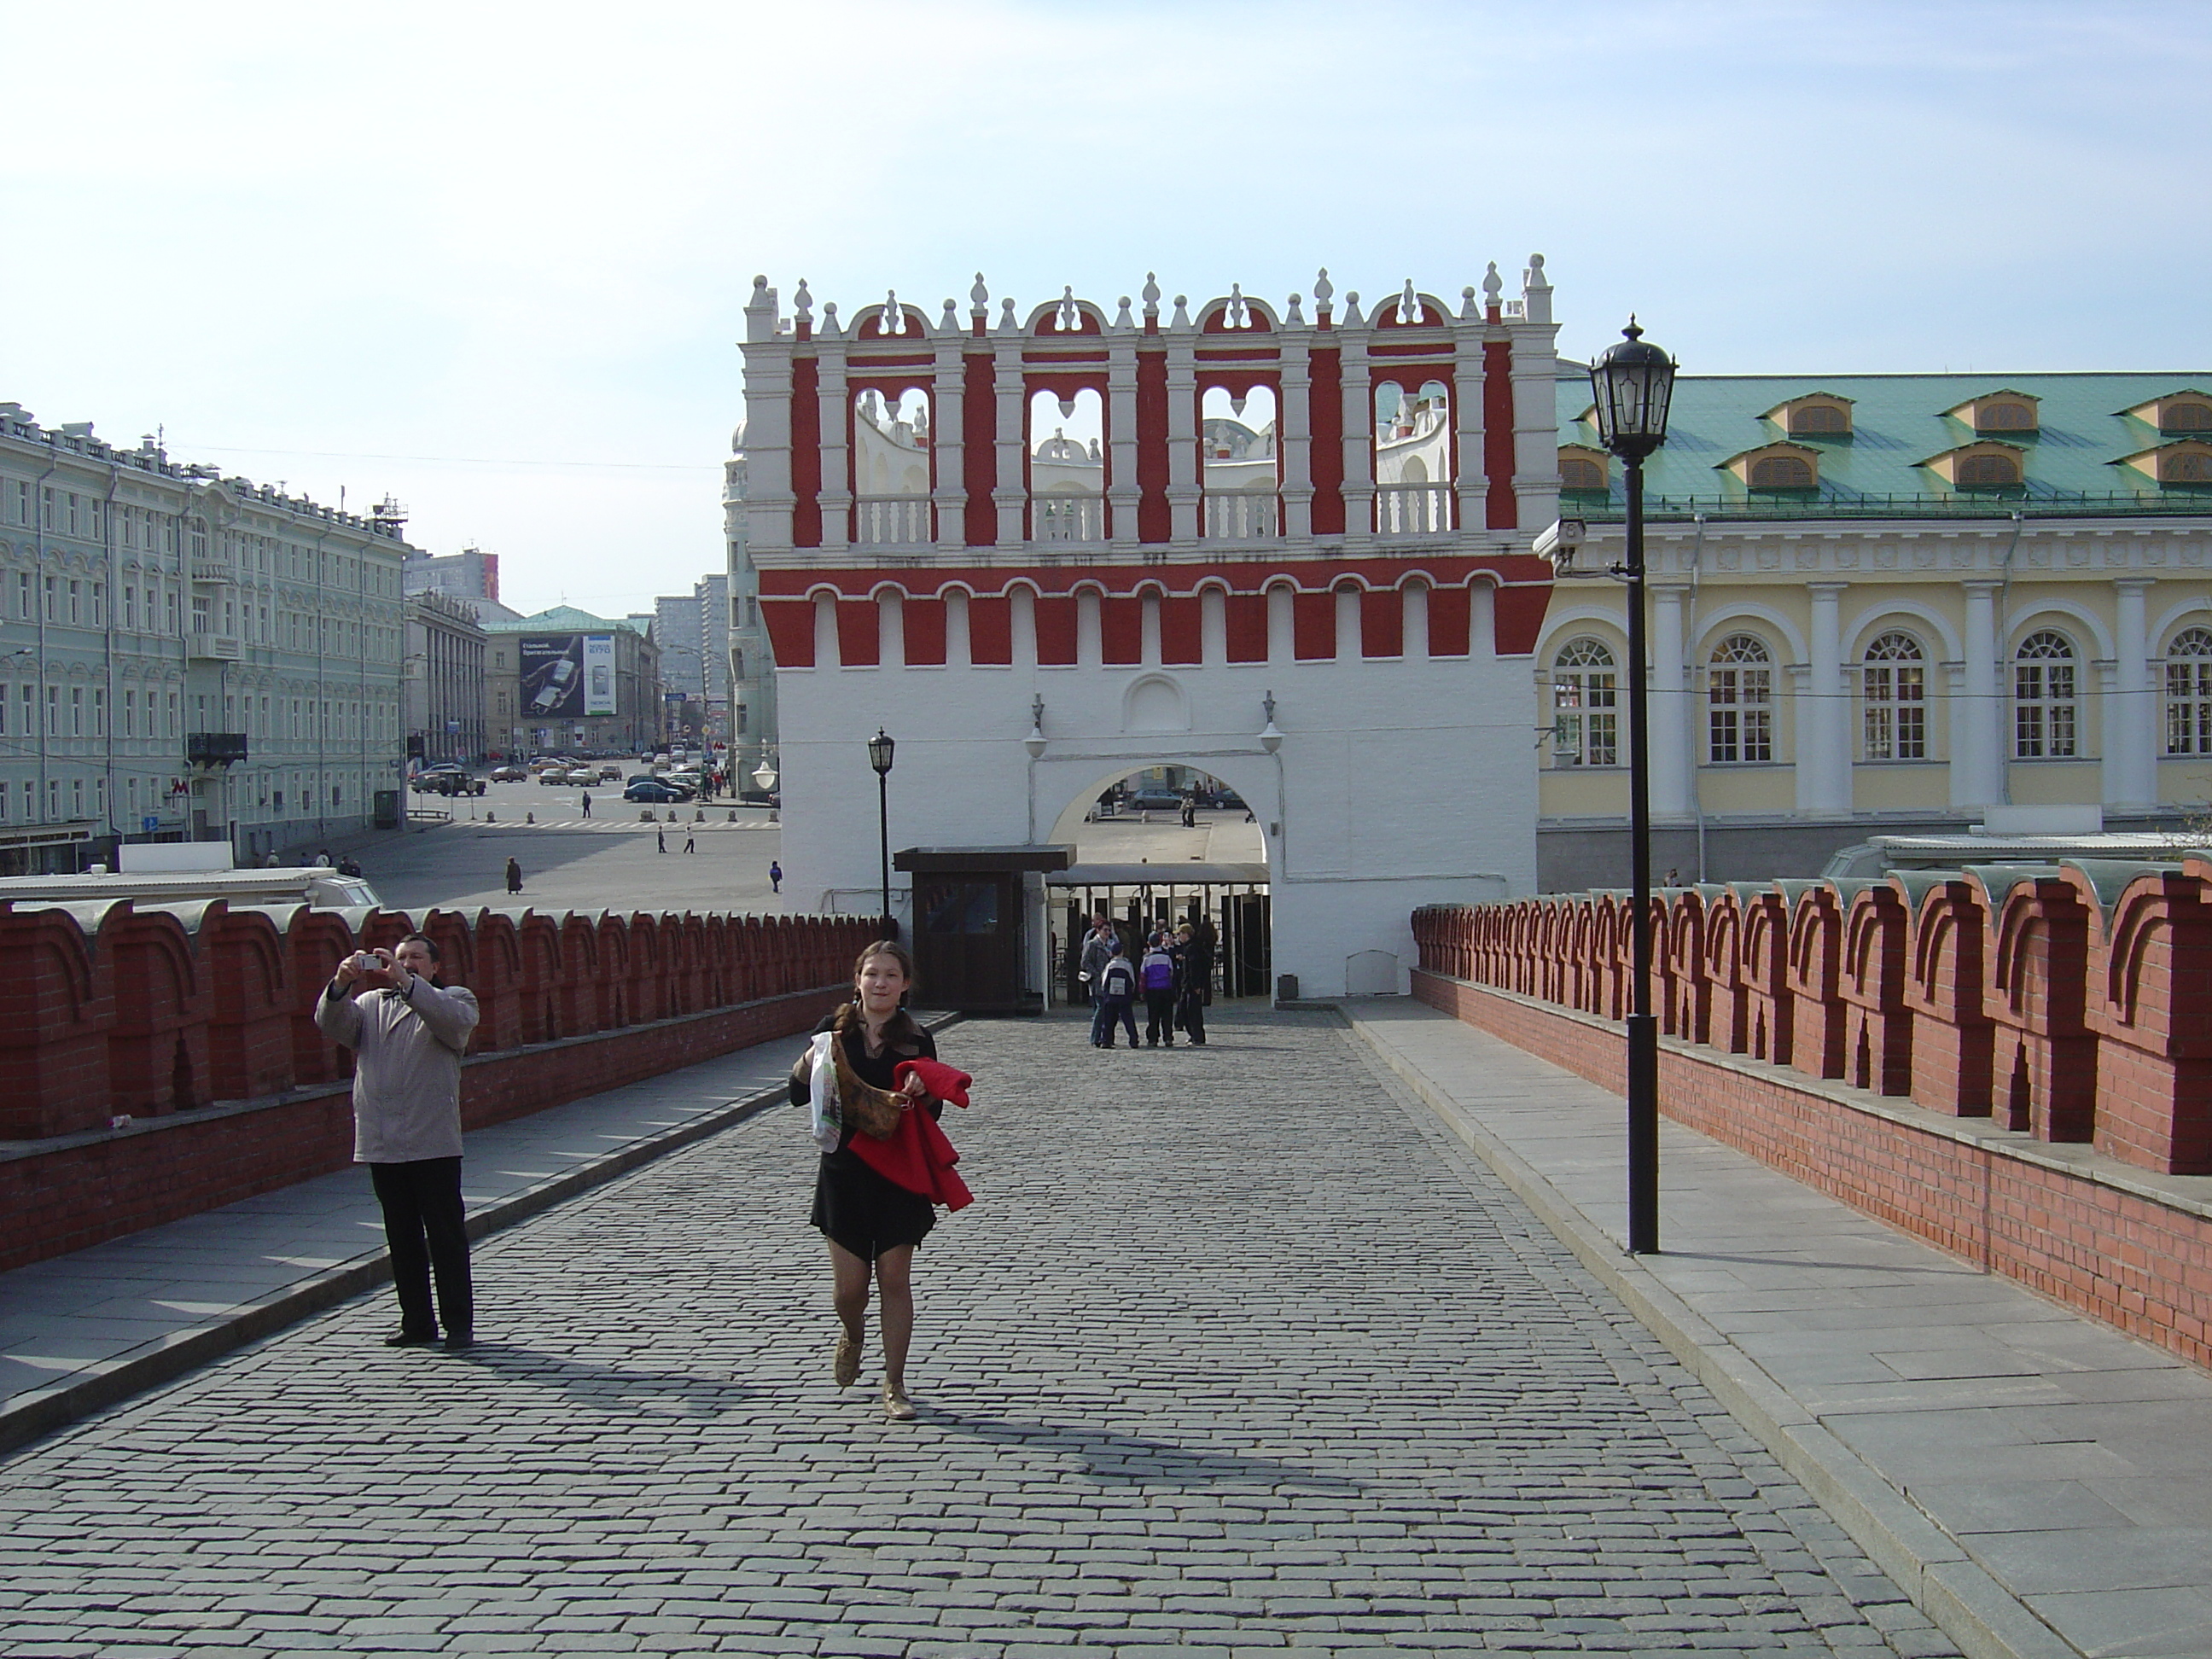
x: 2036, y: 1482
x: 85, y: 1330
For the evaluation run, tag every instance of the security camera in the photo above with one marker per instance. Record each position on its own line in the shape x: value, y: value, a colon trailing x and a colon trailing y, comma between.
x: 1558, y: 543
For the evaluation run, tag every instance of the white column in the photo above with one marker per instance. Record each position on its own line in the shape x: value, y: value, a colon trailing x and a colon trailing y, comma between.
x: 1978, y: 713
x: 2132, y: 716
x: 1294, y: 437
x: 1358, y: 406
x: 948, y: 405
x: 1121, y: 494
x: 837, y: 496
x: 1670, y: 714
x: 1824, y: 776
x: 1185, y: 486
x: 1008, y: 492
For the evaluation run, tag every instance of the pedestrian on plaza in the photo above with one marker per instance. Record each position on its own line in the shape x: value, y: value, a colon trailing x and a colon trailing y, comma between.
x: 660, y: 837
x: 690, y: 840
x: 513, y: 877
x: 1157, y: 977
x: 323, y: 859
x: 348, y: 865
x: 1117, y: 997
x: 587, y: 803
x: 272, y: 862
x: 1197, y: 982
x: 1098, y: 946
x: 870, y: 1066
x: 774, y: 876
x: 408, y: 1032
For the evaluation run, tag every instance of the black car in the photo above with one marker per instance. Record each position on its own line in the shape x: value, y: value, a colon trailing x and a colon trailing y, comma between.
x: 654, y: 793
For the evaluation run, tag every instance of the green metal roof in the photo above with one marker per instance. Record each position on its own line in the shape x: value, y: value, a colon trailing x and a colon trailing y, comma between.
x: 1898, y: 421
x: 567, y: 619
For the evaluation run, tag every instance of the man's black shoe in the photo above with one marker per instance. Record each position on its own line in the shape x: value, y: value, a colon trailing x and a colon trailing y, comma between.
x: 460, y: 1339
x: 404, y: 1338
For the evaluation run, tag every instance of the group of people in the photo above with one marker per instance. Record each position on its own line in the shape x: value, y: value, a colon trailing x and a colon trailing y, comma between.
x: 871, y: 1075
x: 1174, y: 974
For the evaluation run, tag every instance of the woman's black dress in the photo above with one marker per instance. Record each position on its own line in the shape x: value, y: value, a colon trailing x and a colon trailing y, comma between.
x: 854, y: 1206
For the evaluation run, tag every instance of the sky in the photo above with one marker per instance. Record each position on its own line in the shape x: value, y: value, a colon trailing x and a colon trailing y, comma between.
x: 490, y: 258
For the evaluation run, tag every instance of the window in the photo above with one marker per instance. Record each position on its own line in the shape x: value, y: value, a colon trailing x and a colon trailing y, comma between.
x: 129, y: 607
x: 130, y: 714
x: 2004, y: 418
x: 76, y: 603
x: 1895, y: 683
x: 53, y: 598
x: 77, y: 711
x: 1585, y: 701
x: 2185, y: 418
x: 1987, y: 471
x: 1740, y: 698
x: 99, y: 713
x: 2189, y: 466
x: 1580, y: 472
x: 2042, y: 698
x: 2189, y: 692
x: 1819, y: 417
x: 1781, y: 472
x: 53, y: 711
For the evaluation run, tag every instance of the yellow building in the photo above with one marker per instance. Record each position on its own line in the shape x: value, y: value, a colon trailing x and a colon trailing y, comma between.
x: 1887, y: 603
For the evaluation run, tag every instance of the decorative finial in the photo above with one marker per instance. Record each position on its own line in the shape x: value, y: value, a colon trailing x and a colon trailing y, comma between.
x: 951, y: 321
x: 1121, y: 318
x: 1007, y: 323
x: 1152, y: 296
x: 1239, y: 314
x: 1409, y: 305
x: 1324, y: 290
x: 1352, y: 306
x: 760, y: 288
x: 1631, y: 332
x: 802, y: 302
x: 1071, y: 314
x: 829, y: 317
x: 1067, y: 410
x: 1493, y: 284
x: 1182, y: 318
x: 1293, y: 318
x: 1534, y: 276
x: 980, y: 296
x: 894, y: 319
x: 1467, y: 311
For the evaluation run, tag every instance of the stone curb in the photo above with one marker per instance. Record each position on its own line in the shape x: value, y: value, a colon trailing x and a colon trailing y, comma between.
x: 1937, y: 1571
x: 34, y: 1415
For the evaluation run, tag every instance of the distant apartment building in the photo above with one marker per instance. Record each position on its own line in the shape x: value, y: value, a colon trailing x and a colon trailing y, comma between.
x: 471, y: 575
x: 445, y: 679
x: 565, y: 681
x: 693, y: 631
x: 184, y: 655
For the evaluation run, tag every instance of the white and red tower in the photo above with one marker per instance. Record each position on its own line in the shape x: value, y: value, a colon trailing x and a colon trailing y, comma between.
x: 932, y: 560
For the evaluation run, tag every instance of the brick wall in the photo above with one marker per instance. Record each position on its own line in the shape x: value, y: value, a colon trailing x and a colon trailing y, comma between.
x: 196, y: 1022
x: 2077, y: 1225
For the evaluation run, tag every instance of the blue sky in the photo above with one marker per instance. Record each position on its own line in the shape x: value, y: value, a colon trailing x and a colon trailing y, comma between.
x: 490, y: 258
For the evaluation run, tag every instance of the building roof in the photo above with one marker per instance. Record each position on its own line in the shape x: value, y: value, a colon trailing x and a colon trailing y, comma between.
x: 1898, y: 423
x: 567, y: 619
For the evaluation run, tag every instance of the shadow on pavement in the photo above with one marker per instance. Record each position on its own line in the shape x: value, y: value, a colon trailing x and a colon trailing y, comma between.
x: 1127, y: 1460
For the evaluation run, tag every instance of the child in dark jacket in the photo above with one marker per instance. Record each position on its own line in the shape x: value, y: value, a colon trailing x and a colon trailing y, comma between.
x: 1117, y: 991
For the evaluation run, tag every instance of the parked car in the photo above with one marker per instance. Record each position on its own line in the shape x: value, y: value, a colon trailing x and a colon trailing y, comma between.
x: 1154, y: 800
x: 611, y: 774
x: 509, y: 775
x: 653, y: 792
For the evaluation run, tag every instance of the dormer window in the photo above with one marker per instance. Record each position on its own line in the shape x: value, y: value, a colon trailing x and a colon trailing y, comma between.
x: 1817, y: 415
x: 1776, y: 467
x: 2000, y: 411
x: 1583, y: 468
x: 2185, y: 463
x: 2189, y: 411
x: 1980, y: 466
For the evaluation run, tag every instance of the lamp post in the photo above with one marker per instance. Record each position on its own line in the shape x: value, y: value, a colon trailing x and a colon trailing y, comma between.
x: 879, y: 756
x: 1633, y: 384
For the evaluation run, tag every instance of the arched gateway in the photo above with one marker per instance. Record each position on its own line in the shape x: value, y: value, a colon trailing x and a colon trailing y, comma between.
x: 1331, y: 613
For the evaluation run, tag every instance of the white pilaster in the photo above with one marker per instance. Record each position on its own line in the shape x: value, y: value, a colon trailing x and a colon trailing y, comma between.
x: 1121, y: 492
x: 1824, y: 776
x: 1670, y: 712
x: 1009, y: 494
x: 2131, y: 714
x: 1977, y: 713
x: 947, y: 422
x: 1184, y: 488
x: 1358, y: 405
x: 837, y: 496
x: 1294, y: 439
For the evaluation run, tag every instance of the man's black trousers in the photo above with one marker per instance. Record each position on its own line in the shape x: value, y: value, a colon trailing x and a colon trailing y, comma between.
x: 424, y: 1225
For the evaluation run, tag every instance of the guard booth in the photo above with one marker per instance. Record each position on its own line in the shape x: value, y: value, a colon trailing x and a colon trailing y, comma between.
x: 979, y: 937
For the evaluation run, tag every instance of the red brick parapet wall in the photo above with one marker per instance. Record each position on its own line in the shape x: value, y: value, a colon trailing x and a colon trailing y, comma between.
x: 195, y: 1022
x: 1923, y: 1048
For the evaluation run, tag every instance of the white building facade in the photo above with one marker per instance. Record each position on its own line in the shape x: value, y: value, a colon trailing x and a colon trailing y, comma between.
x: 1344, y: 638
x: 187, y: 656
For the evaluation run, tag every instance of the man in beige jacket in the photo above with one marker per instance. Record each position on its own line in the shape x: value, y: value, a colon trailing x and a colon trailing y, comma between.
x: 408, y: 1033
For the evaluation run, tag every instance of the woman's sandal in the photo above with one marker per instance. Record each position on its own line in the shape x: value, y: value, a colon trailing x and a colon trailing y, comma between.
x: 897, y: 1405
x: 848, y: 1362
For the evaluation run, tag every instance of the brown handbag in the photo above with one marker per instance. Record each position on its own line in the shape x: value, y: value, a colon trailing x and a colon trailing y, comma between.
x: 874, y: 1112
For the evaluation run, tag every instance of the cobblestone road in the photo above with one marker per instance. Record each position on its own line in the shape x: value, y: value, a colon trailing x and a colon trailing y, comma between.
x: 1237, y: 1352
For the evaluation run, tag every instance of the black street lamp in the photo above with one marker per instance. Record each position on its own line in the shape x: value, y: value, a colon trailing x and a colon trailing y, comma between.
x: 1633, y: 384
x: 879, y: 756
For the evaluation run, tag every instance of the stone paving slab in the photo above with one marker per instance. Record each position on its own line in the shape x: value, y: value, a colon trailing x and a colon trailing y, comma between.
x: 82, y: 1331
x: 1946, y: 1415
x: 1239, y: 1351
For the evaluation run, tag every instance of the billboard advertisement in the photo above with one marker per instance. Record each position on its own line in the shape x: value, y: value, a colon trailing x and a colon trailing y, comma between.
x: 598, y: 673
x: 567, y: 676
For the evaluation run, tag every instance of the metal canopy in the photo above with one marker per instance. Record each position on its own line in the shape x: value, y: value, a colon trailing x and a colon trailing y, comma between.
x: 1193, y: 874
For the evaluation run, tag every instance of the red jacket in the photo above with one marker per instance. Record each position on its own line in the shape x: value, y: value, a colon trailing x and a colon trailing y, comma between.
x: 918, y: 1157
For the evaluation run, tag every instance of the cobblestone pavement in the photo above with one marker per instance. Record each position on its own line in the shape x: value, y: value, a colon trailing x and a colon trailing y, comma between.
x: 1236, y: 1352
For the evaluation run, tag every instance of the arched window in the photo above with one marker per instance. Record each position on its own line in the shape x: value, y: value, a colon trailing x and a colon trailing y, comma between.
x: 2185, y: 417
x: 2005, y: 418
x: 1895, y: 685
x: 1580, y: 472
x: 1819, y: 417
x: 2189, y: 692
x: 1585, y: 701
x: 2043, y: 707
x: 1987, y: 472
x: 2189, y: 467
x: 1781, y: 472
x: 1740, y: 700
